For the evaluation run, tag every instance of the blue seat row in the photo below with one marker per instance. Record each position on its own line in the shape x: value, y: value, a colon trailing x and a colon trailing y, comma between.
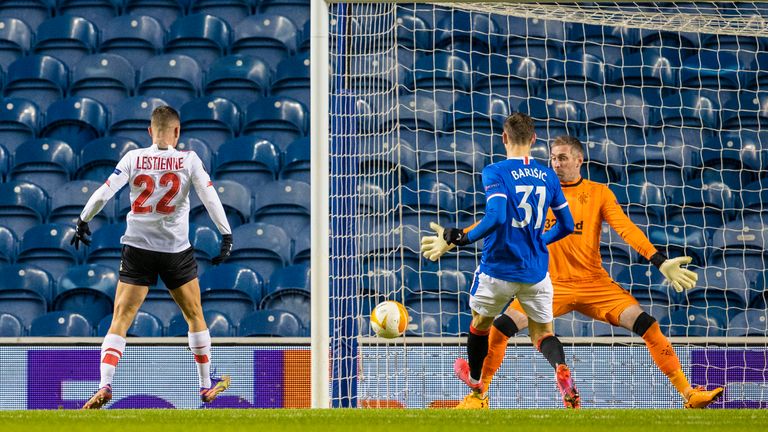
x: 89, y: 290
x: 176, y: 78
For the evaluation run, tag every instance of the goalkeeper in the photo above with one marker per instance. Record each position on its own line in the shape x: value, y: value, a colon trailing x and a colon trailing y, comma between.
x: 581, y: 283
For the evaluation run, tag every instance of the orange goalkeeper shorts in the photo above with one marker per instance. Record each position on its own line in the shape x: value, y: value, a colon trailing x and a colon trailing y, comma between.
x: 601, y: 299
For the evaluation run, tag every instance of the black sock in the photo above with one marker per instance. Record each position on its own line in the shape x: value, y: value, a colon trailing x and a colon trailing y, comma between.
x: 505, y: 325
x: 477, y: 350
x: 552, y: 349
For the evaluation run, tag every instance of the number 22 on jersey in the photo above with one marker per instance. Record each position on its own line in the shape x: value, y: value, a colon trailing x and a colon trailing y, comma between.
x: 148, y: 183
x: 541, y: 192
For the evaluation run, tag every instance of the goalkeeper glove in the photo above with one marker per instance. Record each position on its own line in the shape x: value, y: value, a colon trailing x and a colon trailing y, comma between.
x: 226, y: 249
x: 680, y: 278
x: 433, y: 247
x: 81, y: 232
x: 456, y: 236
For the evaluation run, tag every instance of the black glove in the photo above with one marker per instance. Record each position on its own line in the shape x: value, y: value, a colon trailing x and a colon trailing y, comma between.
x: 81, y: 231
x: 455, y: 236
x: 226, y: 249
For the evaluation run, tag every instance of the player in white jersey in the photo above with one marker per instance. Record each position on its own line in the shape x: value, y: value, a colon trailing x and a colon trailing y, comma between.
x: 156, y: 243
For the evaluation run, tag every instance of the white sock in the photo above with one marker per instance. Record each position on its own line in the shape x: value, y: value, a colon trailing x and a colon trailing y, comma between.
x: 200, y: 344
x: 111, y: 352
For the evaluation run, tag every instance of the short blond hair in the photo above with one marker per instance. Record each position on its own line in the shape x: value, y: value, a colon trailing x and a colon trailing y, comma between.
x: 164, y: 117
x: 570, y: 141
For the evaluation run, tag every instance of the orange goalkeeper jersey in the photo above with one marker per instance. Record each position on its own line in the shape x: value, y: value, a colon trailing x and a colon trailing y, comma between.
x: 577, y: 256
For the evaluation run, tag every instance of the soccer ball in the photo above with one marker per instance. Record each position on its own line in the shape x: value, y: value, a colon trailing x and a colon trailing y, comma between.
x: 389, y: 319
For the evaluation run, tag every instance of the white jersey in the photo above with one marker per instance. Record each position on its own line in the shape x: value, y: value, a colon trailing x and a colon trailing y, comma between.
x: 160, y: 181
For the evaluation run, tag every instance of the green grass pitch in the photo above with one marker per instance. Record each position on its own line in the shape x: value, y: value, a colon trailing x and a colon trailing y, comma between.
x: 371, y: 420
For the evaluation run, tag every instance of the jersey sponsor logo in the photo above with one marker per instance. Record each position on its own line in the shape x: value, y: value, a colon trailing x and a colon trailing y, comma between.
x: 578, y: 227
x: 528, y: 172
x: 117, y: 172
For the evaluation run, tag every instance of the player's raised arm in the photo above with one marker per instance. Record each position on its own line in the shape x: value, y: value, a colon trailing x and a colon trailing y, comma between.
x: 680, y: 278
x: 210, y: 199
x: 99, y: 199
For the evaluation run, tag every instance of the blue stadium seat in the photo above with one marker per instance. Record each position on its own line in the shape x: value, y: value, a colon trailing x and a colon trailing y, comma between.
x: 99, y: 12
x: 424, y: 200
x: 688, y: 109
x: 23, y: 205
x: 753, y: 197
x: 105, y: 246
x: 219, y: 324
x: 61, y: 324
x: 130, y: 118
x: 295, y: 10
x: 723, y: 290
x: 456, y: 162
x: 236, y: 199
x: 607, y: 42
x: 68, y: 38
x: 107, y: 78
x: 413, y: 36
x: 375, y: 73
x: 694, y: 323
x: 469, y: 35
x: 709, y: 205
x: 689, y: 240
x: 296, y: 161
x: 143, y: 325
x: 160, y: 304
x: 289, y: 289
x: 137, y: 38
x: 68, y: 200
x: 443, y: 292
x: 443, y: 76
x: 10, y: 326
x: 747, y: 112
x: 46, y: 163
x: 40, y: 78
x: 32, y: 12
x: 292, y: 78
x: 280, y: 120
x: 652, y: 73
x: 284, y: 203
x: 604, y: 158
x: 25, y: 291
x: 515, y: 78
x: 645, y: 283
x: 645, y: 202
x: 4, y: 162
x: 735, y: 159
x: 203, y: 150
x: 622, y: 117
x: 175, y: 78
x: 206, y: 242
x: 262, y: 247
x: 394, y: 162
x: 48, y: 246
x: 269, y: 37
x: 741, y: 244
x: 305, y: 36
x: 423, y: 324
x: 88, y: 290
x: 248, y: 160
x: 595, y: 328
x: 75, y: 120
x: 561, y: 117
x: 747, y: 323
x: 713, y: 74
x: 535, y: 38
x: 302, y: 247
x: 231, y: 11
x: 200, y: 36
x: 19, y: 121
x: 233, y: 289
x: 239, y: 78
x: 270, y: 323
x: 458, y: 325
x: 8, y: 242
x: 687, y: 43
x: 165, y: 11
x: 210, y: 118
x: 383, y: 247
x: 578, y: 76
x: 99, y: 157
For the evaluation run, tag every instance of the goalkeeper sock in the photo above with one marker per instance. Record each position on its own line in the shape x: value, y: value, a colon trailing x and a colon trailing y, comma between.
x: 477, y: 350
x: 503, y: 328
x: 111, y: 352
x: 665, y: 358
x: 200, y: 345
x: 552, y: 349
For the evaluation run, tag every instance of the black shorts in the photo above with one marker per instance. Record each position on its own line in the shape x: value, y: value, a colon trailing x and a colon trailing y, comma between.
x: 142, y: 267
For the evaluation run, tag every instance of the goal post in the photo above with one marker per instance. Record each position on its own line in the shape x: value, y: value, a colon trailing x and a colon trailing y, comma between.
x: 408, y: 99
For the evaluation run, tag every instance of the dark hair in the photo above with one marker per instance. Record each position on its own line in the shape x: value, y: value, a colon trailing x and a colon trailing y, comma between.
x: 519, y: 128
x: 164, y: 117
x: 570, y: 141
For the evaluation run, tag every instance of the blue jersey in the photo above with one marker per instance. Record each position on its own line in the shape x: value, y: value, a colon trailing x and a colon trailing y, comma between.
x: 516, y: 251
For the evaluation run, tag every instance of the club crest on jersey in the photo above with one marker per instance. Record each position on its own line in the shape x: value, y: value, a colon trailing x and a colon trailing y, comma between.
x: 583, y: 197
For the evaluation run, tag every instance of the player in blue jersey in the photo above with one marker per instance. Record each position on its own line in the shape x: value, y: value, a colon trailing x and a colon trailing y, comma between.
x: 514, y: 263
